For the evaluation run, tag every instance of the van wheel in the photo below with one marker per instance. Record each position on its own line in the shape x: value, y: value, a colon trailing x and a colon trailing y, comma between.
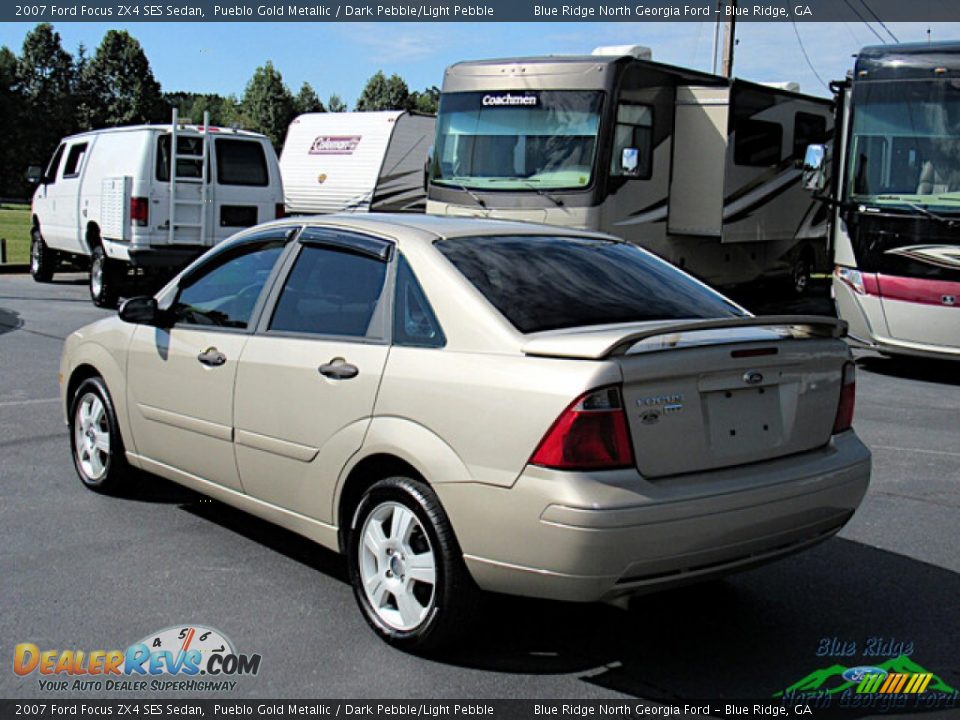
x: 98, y: 454
x: 104, y: 278
x: 43, y: 260
x: 407, y: 569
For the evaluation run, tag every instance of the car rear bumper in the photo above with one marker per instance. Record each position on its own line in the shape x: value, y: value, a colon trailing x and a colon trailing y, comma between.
x: 582, y: 537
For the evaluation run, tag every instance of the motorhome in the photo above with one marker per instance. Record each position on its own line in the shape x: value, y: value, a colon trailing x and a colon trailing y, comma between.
x: 700, y: 169
x: 356, y: 162
x: 148, y: 196
x: 894, y: 183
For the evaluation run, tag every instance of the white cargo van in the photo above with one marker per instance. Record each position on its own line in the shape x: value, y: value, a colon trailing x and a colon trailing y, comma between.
x: 356, y: 162
x: 107, y: 196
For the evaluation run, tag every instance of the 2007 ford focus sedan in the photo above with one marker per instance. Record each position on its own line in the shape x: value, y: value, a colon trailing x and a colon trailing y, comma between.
x: 462, y: 405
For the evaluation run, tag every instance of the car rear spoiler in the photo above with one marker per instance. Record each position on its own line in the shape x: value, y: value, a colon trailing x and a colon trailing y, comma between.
x: 602, y: 343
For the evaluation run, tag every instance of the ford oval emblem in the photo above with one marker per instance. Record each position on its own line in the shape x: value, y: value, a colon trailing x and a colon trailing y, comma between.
x: 752, y: 377
x: 856, y: 674
x: 650, y: 417
x: 948, y: 299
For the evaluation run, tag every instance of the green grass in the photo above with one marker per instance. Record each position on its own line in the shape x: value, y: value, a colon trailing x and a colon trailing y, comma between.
x: 15, y: 227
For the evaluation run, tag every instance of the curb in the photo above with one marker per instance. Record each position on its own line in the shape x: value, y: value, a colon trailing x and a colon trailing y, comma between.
x: 14, y: 268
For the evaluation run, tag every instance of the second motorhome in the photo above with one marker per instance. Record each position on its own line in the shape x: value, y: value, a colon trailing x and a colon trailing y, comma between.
x: 700, y: 169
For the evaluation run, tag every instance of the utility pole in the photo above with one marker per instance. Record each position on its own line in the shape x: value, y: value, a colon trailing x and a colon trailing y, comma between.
x: 716, y: 37
x: 729, y: 39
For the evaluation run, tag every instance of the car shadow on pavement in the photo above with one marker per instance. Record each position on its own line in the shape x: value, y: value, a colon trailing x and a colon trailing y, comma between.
x: 747, y: 637
x: 744, y: 637
x: 285, y: 542
x: 946, y: 372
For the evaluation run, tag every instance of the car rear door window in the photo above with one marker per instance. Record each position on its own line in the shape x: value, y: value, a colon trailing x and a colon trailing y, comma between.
x: 224, y: 291
x: 241, y: 162
x: 543, y: 282
x: 332, y: 289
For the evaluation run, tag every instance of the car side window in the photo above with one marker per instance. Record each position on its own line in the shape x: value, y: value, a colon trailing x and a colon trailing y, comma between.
x: 332, y: 291
x: 50, y: 176
x: 414, y: 323
x: 74, y: 160
x: 225, y: 291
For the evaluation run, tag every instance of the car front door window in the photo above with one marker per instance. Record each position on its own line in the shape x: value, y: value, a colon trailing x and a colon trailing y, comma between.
x: 225, y: 294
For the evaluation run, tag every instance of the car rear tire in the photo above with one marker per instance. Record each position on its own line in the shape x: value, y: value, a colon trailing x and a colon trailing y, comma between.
x: 95, y: 442
x: 104, y: 278
x: 43, y: 260
x: 407, y: 569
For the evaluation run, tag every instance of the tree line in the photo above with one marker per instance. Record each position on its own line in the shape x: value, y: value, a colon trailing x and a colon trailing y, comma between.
x: 46, y: 93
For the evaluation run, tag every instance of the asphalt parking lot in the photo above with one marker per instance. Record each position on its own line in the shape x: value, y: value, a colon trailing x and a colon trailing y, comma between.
x: 83, y: 571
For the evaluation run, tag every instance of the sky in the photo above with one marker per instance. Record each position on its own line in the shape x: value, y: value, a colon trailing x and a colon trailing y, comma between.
x: 339, y: 58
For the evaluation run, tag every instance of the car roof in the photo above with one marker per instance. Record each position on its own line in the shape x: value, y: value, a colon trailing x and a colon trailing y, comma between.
x: 409, y: 227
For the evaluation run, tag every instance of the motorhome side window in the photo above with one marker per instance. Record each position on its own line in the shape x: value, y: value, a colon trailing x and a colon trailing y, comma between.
x: 74, y: 160
x: 633, y: 142
x: 241, y: 162
x: 187, y: 168
x: 758, y: 142
x: 50, y: 176
x: 807, y: 130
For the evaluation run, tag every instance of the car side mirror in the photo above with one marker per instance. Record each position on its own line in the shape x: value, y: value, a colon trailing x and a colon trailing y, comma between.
x: 34, y: 174
x: 142, y: 310
x: 814, y: 168
x: 630, y: 160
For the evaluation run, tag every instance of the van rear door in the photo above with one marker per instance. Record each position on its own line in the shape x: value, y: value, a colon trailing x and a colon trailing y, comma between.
x: 247, y: 184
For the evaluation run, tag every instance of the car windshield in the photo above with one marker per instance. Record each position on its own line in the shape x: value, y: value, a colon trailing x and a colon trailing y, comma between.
x: 905, y: 146
x: 543, y: 282
x: 517, y: 140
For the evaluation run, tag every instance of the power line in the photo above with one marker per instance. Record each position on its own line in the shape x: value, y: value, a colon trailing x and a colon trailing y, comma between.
x: 877, y: 18
x: 864, y: 21
x: 807, y: 57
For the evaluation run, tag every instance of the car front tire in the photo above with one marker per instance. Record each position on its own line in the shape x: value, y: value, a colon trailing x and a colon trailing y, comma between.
x: 43, y: 260
x: 95, y: 442
x: 407, y: 569
x: 104, y: 278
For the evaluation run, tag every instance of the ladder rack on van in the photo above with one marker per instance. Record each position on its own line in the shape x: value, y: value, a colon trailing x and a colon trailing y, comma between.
x: 203, y: 157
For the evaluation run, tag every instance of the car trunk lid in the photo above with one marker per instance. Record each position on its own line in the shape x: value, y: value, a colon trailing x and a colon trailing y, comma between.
x: 701, y: 395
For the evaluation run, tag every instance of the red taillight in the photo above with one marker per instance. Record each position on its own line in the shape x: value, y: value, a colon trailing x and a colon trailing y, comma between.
x: 591, y: 434
x: 280, y: 211
x: 848, y: 393
x: 139, y: 211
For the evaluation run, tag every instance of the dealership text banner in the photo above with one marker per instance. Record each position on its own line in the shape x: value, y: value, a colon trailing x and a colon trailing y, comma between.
x: 471, y: 11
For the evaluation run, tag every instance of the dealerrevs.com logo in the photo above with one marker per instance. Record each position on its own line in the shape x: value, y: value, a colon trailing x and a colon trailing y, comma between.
x: 181, y: 657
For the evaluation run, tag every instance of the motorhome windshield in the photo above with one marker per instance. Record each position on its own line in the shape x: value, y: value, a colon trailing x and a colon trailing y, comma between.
x: 905, y: 144
x: 517, y: 140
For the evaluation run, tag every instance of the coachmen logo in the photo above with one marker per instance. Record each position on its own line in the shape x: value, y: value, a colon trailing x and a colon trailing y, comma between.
x: 335, y: 144
x: 508, y: 100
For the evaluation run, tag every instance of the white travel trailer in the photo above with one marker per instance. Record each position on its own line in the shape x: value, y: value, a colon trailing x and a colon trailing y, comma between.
x: 356, y: 162
x: 107, y: 197
x: 702, y: 170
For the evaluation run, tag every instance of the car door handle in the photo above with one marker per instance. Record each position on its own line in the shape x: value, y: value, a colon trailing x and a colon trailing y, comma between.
x: 212, y: 357
x: 339, y: 369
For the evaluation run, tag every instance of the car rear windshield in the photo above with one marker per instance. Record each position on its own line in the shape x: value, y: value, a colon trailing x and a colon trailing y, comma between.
x: 547, y: 283
x: 241, y: 162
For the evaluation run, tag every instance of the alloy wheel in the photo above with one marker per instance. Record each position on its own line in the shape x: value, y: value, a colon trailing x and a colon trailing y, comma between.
x: 92, y: 437
x: 397, y: 566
